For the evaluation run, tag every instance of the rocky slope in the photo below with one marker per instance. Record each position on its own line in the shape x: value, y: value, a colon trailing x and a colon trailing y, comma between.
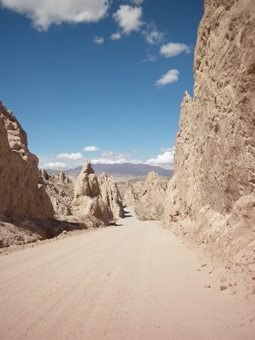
x: 147, y: 197
x: 211, y: 197
x: 21, y: 195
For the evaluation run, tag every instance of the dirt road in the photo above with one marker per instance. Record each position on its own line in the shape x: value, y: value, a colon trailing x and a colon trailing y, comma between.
x: 135, y: 281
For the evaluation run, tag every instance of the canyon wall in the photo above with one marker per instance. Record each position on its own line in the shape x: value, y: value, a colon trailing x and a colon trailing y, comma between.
x: 214, y: 162
x: 211, y: 197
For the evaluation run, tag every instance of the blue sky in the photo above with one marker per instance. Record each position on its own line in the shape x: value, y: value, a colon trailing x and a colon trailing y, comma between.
x: 109, y: 75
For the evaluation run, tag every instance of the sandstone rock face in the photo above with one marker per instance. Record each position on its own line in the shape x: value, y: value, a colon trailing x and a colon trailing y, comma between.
x: 131, y: 192
x: 147, y: 197
x: 21, y: 195
x: 150, y: 205
x: 87, y: 197
x: 111, y: 195
x: 60, y: 189
x: 215, y: 150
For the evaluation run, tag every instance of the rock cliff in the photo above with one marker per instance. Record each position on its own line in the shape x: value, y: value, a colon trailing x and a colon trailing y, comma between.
x: 211, y: 197
x: 21, y: 195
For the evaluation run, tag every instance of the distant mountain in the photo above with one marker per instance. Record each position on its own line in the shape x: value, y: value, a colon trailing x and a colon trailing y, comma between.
x: 121, y: 170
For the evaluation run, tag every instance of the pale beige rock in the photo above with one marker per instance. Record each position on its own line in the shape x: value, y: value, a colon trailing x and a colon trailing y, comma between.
x: 147, y: 197
x: 21, y: 195
x: 131, y: 192
x: 87, y: 197
x: 111, y: 195
x: 215, y: 149
x: 60, y: 189
x: 63, y: 179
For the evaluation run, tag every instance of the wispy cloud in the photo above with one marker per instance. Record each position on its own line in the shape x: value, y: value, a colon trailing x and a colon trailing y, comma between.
x: 150, y: 58
x: 91, y: 148
x: 110, y: 157
x: 47, y: 12
x: 152, y: 35
x: 98, y: 40
x: 129, y: 18
x: 171, y: 76
x: 115, y: 36
x: 54, y: 165
x: 173, y: 49
x: 108, y: 154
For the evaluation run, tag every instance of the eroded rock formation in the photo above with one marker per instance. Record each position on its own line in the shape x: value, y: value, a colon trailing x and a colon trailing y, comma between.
x: 87, y: 197
x: 111, y: 195
x: 60, y: 189
x: 147, y: 197
x: 211, y: 196
x: 21, y: 195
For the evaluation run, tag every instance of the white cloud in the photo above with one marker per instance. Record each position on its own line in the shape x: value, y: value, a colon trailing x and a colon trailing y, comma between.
x: 90, y: 148
x: 115, y: 36
x: 174, y: 49
x: 107, y: 154
x: 109, y: 161
x: 129, y: 18
x: 137, y: 2
x: 54, y: 165
x: 110, y: 157
x: 44, y: 13
x: 165, y: 160
x: 98, y: 40
x: 171, y: 76
x: 152, y: 35
x: 70, y: 156
x: 61, y: 161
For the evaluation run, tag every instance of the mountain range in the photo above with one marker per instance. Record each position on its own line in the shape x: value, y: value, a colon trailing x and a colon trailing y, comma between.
x: 120, y: 170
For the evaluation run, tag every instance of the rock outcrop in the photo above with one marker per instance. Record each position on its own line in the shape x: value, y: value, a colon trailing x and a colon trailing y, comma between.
x: 147, y: 197
x: 150, y: 204
x: 111, y: 195
x: 60, y: 189
x: 87, y: 197
x: 211, y: 196
x: 21, y: 195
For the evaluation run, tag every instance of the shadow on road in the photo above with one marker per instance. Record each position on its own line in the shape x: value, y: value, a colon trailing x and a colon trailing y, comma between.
x: 127, y: 214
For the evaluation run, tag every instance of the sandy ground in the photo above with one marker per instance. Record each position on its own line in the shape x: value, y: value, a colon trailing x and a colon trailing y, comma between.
x: 135, y: 281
